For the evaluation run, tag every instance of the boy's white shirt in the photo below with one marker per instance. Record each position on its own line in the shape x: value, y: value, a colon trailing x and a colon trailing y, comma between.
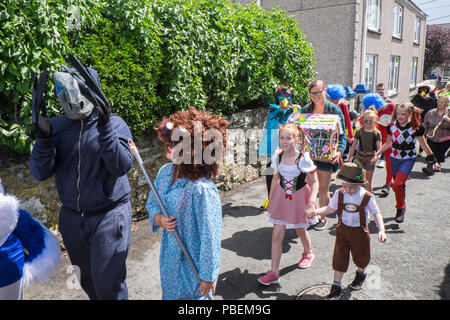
x: 351, y: 219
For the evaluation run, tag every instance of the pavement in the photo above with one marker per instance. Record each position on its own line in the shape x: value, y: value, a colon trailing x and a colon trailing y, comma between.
x: 414, y: 263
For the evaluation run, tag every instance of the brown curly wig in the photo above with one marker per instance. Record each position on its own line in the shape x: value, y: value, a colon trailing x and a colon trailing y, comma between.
x: 192, y: 122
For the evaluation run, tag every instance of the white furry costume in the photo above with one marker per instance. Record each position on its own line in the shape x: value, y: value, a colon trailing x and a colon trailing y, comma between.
x: 29, y: 252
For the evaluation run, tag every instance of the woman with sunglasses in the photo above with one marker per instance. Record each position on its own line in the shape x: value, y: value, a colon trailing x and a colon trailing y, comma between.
x: 278, y: 114
x: 320, y: 105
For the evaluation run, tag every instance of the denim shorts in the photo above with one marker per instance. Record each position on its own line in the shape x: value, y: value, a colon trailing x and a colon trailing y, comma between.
x: 326, y: 166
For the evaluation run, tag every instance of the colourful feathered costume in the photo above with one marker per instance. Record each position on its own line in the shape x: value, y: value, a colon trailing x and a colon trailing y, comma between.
x: 29, y: 252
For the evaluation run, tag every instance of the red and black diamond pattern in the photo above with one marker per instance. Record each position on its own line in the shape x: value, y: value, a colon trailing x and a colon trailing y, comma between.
x: 403, y: 137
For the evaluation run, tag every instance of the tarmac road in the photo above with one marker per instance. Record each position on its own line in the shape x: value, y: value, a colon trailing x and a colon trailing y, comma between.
x: 414, y: 263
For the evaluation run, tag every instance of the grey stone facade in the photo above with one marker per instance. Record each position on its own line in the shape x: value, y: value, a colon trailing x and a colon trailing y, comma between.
x: 335, y: 30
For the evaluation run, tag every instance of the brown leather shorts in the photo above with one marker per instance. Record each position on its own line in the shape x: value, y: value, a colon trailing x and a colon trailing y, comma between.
x: 354, y: 240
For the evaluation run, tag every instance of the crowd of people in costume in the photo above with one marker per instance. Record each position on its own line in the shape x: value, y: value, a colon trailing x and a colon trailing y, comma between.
x: 88, y: 152
x: 382, y: 129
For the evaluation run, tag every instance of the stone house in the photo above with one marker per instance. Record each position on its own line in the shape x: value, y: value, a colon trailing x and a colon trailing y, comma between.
x: 362, y: 41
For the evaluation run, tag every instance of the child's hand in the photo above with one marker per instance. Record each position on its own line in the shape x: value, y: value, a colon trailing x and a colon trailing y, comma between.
x: 205, y: 286
x: 168, y: 224
x: 436, y: 166
x: 374, y: 159
x: 382, y: 236
x: 310, y: 213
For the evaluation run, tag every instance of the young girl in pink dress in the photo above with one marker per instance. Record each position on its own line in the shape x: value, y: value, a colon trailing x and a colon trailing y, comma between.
x: 293, y: 191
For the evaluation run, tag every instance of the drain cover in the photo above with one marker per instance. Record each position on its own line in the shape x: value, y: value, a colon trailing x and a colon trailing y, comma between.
x: 322, y: 291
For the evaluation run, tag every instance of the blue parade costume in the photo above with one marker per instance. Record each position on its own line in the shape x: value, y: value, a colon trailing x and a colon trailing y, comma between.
x: 29, y: 252
x: 269, y: 140
x: 270, y: 137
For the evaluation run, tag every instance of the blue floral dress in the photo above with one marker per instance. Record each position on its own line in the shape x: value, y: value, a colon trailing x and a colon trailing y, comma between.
x: 198, y: 209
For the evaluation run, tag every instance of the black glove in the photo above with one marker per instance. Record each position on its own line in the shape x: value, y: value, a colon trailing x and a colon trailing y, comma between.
x: 101, y: 102
x: 40, y: 121
x: 431, y: 159
x: 429, y: 169
x: 104, y: 112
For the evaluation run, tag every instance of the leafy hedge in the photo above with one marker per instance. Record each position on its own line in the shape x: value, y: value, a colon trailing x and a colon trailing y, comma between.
x: 227, y: 57
x: 153, y: 57
x: 33, y: 34
x: 124, y: 47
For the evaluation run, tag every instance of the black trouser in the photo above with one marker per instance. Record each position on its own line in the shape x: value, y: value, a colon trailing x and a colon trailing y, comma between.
x: 269, y: 178
x: 98, y: 245
x: 439, y: 149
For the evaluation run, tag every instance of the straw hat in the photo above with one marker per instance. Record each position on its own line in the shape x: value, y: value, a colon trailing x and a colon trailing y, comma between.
x: 351, y: 173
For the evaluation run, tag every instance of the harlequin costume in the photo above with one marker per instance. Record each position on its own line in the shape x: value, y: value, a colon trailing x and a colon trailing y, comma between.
x: 29, y: 252
x: 352, y: 233
x: 291, y: 195
x: 403, y: 157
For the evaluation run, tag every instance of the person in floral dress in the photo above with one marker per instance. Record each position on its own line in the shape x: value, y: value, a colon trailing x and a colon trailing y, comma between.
x: 193, y: 203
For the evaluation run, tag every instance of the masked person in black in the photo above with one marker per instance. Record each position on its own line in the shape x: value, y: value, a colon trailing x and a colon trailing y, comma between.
x: 425, y: 100
x: 86, y: 150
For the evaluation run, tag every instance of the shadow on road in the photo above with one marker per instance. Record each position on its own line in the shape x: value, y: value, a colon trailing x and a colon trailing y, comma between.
x: 248, y: 243
x: 236, y: 284
x: 444, y: 292
x: 240, y: 211
x: 419, y: 175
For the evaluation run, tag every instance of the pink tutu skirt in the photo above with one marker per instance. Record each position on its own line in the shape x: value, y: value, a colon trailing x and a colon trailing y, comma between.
x: 289, y: 212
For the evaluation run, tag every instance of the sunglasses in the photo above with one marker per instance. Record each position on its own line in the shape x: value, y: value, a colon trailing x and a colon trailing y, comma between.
x: 316, y: 93
x: 369, y: 121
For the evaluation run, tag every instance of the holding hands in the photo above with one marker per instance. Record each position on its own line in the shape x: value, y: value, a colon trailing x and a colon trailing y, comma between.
x: 311, y: 213
x: 375, y: 159
x: 336, y: 157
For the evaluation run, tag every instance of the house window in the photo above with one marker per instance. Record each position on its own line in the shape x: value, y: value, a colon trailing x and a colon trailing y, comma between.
x: 394, y: 68
x: 373, y: 15
x: 398, y: 21
x: 417, y: 30
x: 415, y: 62
x: 371, y: 71
x: 446, y: 73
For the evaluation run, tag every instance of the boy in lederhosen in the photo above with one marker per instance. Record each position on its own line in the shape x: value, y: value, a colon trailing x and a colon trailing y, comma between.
x: 353, y: 205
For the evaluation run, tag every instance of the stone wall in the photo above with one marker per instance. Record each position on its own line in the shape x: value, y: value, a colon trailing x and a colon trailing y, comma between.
x: 41, y: 198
